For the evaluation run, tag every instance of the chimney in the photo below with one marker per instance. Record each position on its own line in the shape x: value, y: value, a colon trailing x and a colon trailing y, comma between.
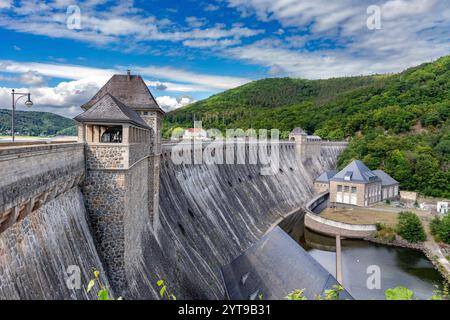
x: 128, y: 74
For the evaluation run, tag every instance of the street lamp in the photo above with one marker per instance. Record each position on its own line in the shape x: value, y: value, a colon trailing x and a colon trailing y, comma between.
x: 28, y: 103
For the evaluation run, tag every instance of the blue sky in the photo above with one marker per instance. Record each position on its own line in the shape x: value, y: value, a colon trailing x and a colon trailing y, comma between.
x: 188, y: 50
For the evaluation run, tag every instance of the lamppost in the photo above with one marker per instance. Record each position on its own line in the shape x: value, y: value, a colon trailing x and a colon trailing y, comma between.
x: 28, y: 103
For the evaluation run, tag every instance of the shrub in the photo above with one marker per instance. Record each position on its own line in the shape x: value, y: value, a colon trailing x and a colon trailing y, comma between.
x: 440, y: 228
x: 384, y: 232
x: 410, y: 227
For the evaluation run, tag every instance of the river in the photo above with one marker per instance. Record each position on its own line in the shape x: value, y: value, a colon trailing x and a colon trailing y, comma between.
x: 397, y: 266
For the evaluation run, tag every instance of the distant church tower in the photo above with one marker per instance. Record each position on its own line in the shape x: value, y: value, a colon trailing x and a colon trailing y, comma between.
x: 121, y: 129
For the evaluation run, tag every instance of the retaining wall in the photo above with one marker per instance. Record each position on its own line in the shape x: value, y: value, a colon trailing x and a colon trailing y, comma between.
x: 330, y: 227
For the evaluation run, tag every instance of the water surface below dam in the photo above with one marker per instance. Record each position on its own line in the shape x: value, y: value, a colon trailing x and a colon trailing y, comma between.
x: 398, y: 266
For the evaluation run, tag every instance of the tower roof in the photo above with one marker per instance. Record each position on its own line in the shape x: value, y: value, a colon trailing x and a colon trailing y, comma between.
x: 129, y: 89
x: 298, y: 132
x: 356, y: 171
x: 110, y: 110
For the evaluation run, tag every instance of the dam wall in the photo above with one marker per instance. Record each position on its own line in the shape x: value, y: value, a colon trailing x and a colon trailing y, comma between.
x: 34, y: 175
x: 40, y: 254
x: 210, y: 214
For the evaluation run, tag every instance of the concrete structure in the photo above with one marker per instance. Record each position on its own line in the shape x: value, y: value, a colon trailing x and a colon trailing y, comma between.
x: 408, y: 196
x: 442, y: 207
x: 333, y: 228
x: 266, y: 269
x: 308, y: 147
x: 357, y: 185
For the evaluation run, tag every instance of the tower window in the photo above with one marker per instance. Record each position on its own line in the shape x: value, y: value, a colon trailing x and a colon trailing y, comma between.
x: 112, y: 135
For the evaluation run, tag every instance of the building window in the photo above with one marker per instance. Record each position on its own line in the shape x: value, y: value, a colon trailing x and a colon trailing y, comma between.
x: 339, y: 194
x: 353, y: 198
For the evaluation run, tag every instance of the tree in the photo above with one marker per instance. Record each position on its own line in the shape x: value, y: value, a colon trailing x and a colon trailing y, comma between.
x: 410, y: 227
x: 440, y: 228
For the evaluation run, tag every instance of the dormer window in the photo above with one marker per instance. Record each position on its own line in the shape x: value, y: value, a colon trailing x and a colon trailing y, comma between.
x: 348, y: 176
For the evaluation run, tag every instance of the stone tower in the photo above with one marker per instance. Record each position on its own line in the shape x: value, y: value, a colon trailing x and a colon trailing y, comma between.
x: 121, y: 188
x: 299, y: 136
x: 132, y: 91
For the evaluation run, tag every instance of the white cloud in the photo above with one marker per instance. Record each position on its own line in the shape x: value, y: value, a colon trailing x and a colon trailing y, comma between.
x: 117, y: 25
x: 178, y: 79
x: 213, y: 44
x: 5, y: 4
x: 211, y: 7
x: 413, y: 32
x: 64, y: 99
x: 83, y: 82
x: 207, y: 80
x: 169, y: 103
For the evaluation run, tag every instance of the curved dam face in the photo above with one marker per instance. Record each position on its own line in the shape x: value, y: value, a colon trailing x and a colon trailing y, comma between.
x: 36, y: 253
x: 210, y: 214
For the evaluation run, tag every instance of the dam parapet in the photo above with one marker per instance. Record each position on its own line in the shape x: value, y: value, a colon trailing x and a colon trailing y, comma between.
x: 34, y: 175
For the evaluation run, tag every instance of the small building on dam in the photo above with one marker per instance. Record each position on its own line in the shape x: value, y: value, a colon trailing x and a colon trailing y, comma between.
x: 114, y: 201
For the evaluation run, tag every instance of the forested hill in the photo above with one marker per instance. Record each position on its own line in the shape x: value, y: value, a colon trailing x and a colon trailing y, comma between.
x: 398, y: 122
x: 34, y: 123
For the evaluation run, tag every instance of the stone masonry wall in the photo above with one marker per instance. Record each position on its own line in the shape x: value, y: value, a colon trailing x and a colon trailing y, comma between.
x: 105, y: 196
x: 106, y: 156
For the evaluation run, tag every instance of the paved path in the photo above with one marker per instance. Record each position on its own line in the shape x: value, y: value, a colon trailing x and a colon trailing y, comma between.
x: 434, y: 248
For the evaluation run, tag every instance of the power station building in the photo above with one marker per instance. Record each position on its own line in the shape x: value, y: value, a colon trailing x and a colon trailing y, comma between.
x: 357, y: 185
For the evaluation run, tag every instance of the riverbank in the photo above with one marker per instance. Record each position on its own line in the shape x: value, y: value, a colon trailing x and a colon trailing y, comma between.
x: 334, y: 222
x: 429, y: 248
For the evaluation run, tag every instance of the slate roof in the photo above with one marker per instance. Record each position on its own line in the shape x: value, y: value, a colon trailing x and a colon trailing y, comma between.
x: 130, y: 90
x: 109, y: 109
x: 298, y: 131
x: 326, y: 176
x: 386, y: 180
x: 275, y: 266
x: 356, y: 171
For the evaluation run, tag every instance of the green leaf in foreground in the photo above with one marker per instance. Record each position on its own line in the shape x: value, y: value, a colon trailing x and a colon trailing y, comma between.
x: 103, y: 294
x: 90, y: 285
x: 399, y: 293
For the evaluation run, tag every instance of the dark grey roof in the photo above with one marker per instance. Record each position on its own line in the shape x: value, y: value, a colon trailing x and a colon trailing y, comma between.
x: 298, y: 131
x: 386, y: 180
x: 131, y: 91
x: 356, y: 171
x: 109, y: 109
x: 274, y: 267
x: 326, y: 176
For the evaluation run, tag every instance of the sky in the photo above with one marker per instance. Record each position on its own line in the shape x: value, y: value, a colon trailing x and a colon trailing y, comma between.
x: 63, y: 51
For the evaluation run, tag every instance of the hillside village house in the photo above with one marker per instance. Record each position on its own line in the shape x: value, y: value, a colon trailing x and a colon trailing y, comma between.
x: 195, y: 134
x: 357, y: 185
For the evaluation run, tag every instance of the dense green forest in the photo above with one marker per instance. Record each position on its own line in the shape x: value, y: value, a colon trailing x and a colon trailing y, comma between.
x: 397, y: 122
x: 34, y: 123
